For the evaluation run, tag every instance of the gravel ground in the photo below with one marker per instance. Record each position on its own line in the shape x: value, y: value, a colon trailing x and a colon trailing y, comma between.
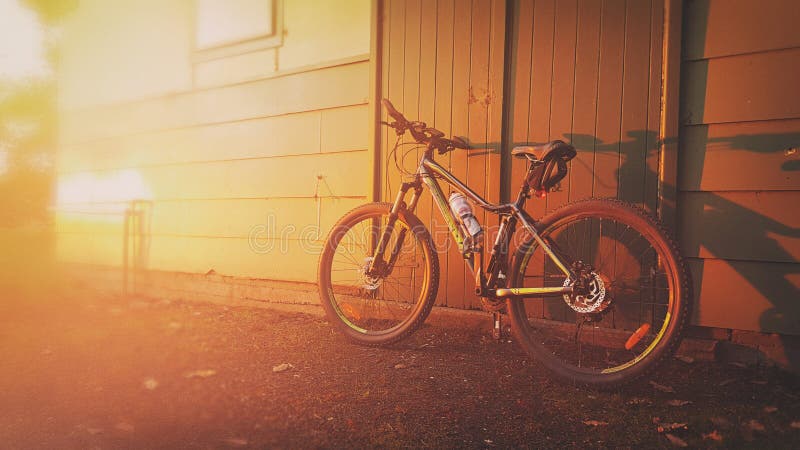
x: 83, y: 370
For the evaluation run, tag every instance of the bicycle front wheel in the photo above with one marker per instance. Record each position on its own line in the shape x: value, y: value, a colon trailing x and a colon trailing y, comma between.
x: 384, y: 305
x: 631, y: 295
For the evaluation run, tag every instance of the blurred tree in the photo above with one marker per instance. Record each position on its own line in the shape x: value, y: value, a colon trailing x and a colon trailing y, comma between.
x: 27, y: 140
x: 51, y: 11
x: 28, y: 124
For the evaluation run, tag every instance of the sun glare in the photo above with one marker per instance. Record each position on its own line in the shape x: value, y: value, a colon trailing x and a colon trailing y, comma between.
x: 22, y: 49
x: 109, y: 194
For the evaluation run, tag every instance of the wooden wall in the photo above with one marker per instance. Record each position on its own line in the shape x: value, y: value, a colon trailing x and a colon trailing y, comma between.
x: 739, y: 173
x: 443, y: 64
x: 221, y: 146
x: 270, y: 144
x: 587, y: 72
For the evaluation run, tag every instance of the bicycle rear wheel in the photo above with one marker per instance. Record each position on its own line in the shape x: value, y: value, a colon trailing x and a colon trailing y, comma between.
x: 384, y: 307
x: 631, y: 298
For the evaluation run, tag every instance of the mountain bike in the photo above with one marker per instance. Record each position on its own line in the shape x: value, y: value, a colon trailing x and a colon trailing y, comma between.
x: 596, y: 290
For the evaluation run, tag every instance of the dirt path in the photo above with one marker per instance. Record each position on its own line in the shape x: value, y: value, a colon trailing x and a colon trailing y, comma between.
x: 103, y: 372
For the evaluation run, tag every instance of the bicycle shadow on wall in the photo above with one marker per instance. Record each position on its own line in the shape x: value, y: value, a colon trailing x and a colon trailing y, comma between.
x: 724, y: 227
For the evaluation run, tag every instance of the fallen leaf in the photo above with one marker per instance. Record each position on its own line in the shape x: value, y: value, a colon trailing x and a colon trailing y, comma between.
x: 670, y: 426
x: 770, y: 409
x: 400, y: 366
x: 595, y: 423
x: 656, y: 419
x: 676, y: 441
x: 795, y: 424
x: 150, y: 383
x: 755, y: 425
x: 205, y: 373
x: 282, y: 367
x: 678, y: 402
x: 236, y: 442
x: 124, y: 426
x: 661, y: 387
x: 684, y: 358
x: 714, y: 436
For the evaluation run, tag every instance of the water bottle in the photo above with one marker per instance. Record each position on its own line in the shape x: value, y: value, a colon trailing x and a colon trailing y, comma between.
x: 462, y: 209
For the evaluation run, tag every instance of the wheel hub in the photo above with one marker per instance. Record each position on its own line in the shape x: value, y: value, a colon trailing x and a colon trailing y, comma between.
x: 589, y: 294
x: 371, y: 282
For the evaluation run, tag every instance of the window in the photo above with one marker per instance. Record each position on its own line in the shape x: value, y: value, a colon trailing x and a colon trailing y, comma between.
x: 232, y: 27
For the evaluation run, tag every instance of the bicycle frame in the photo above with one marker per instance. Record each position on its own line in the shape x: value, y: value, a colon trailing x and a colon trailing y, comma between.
x: 510, y: 214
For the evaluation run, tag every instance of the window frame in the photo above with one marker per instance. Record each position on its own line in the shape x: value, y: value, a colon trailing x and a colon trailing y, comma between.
x: 242, y: 46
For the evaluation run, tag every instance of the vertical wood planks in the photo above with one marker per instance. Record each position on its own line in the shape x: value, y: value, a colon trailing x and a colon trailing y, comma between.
x: 654, y: 106
x: 585, y: 71
x: 633, y: 140
x: 478, y: 116
x: 521, y: 90
x: 428, y: 65
x: 563, y: 87
x: 495, y: 106
x: 395, y: 92
x: 584, y: 117
x: 609, y: 101
x: 449, y: 260
x: 541, y: 81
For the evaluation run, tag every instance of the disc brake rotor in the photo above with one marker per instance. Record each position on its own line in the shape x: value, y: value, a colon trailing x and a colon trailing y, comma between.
x: 371, y: 283
x: 592, y: 298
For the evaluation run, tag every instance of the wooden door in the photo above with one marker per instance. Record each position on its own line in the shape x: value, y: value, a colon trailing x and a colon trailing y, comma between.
x: 587, y: 72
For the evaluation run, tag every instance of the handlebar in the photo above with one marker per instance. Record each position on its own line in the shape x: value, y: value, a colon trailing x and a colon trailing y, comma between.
x: 421, y: 132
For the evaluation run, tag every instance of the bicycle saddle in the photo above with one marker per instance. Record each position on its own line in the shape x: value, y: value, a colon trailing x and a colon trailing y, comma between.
x: 557, y: 148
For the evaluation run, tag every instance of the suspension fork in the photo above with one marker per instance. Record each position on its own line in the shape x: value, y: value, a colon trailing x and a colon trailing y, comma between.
x: 377, y: 258
x: 402, y: 236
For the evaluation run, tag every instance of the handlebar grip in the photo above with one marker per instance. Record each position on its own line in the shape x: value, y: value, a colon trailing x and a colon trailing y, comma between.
x: 393, y: 112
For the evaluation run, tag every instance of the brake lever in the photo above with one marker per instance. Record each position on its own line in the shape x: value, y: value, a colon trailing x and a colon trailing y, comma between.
x: 446, y: 149
x: 397, y: 127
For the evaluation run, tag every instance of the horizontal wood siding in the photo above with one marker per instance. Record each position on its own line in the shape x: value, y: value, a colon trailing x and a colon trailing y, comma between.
x: 269, y: 97
x: 745, y: 156
x: 746, y: 295
x: 240, y: 176
x: 733, y: 27
x: 740, y: 88
x: 738, y: 181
